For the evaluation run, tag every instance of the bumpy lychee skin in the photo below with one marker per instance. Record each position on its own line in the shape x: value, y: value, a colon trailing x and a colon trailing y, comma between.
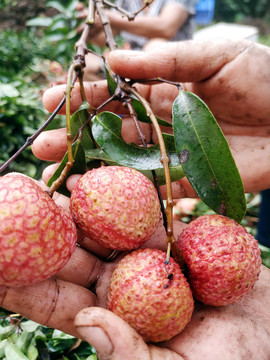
x: 37, y: 237
x: 116, y: 206
x: 153, y: 297
x: 223, y: 259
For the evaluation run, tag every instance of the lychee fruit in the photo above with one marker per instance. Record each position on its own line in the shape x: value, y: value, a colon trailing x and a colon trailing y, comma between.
x: 152, y: 296
x: 116, y: 206
x: 37, y: 237
x: 222, y: 258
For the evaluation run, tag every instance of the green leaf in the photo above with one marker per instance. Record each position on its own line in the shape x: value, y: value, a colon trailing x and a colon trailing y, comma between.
x: 59, y: 345
x: 111, y: 83
x: 94, y: 155
x: 106, y: 130
x: 32, y: 352
x: 137, y: 105
x: 176, y: 172
x: 142, y: 115
x: 40, y: 21
x: 2, y: 348
x: 206, y: 157
x: 8, y: 90
x: 57, y: 5
x: 24, y: 340
x: 29, y: 325
x: 12, y: 352
x: 77, y: 168
x: 78, y: 119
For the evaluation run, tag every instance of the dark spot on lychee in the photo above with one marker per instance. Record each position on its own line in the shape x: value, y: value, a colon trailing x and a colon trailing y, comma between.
x: 222, y: 209
x: 184, y: 156
x: 166, y: 286
x: 170, y: 276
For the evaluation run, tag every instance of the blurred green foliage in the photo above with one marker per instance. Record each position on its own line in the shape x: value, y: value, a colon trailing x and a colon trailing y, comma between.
x: 59, y: 30
x: 232, y: 10
x: 22, y: 339
x: 21, y: 112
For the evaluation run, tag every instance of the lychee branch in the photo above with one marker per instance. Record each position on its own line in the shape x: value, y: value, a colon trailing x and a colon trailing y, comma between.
x: 143, y: 141
x: 74, y: 72
x: 164, y: 159
x: 129, y: 16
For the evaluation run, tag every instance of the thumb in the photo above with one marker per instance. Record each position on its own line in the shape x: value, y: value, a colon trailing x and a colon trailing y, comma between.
x: 183, y: 61
x: 111, y: 336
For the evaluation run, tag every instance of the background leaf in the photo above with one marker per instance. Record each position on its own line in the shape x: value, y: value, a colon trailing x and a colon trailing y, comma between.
x: 206, y: 157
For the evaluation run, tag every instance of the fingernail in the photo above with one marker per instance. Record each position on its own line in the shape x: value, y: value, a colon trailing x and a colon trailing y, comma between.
x: 98, y: 339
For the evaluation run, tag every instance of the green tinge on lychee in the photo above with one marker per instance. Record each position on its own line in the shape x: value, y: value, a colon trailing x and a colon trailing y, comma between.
x: 37, y: 237
x: 153, y: 297
x: 116, y: 206
x: 223, y: 259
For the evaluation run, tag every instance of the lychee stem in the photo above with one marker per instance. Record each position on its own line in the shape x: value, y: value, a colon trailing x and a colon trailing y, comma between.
x: 164, y: 159
x: 58, y: 182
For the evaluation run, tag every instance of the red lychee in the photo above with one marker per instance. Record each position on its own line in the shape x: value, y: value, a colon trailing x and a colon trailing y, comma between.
x: 37, y: 237
x: 222, y: 258
x: 153, y: 297
x: 118, y: 207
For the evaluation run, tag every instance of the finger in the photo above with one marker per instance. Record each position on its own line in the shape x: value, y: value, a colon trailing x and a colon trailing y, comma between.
x: 71, y: 181
x: 209, y: 325
x: 158, y: 239
x: 48, y: 172
x: 176, y: 61
x: 252, y: 156
x: 249, y: 152
x: 50, y: 145
x: 52, y: 303
x: 114, y: 339
x: 96, y: 94
x: 83, y: 268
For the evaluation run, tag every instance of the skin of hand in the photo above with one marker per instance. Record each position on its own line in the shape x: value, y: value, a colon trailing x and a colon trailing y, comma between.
x: 230, y: 76
x: 73, y: 301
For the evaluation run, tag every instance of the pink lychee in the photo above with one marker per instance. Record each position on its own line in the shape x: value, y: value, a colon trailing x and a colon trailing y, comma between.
x: 153, y: 297
x: 37, y: 237
x: 118, y: 207
x: 223, y: 259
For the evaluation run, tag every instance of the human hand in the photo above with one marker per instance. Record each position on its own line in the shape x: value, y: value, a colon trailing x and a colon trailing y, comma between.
x: 74, y: 301
x: 229, y: 76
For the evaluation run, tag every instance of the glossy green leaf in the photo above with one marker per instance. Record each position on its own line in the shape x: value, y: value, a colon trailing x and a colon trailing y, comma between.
x: 114, y: 150
x: 78, y: 167
x: 98, y: 154
x: 176, y: 172
x: 137, y: 105
x: 78, y: 119
x: 111, y: 83
x: 206, y: 157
